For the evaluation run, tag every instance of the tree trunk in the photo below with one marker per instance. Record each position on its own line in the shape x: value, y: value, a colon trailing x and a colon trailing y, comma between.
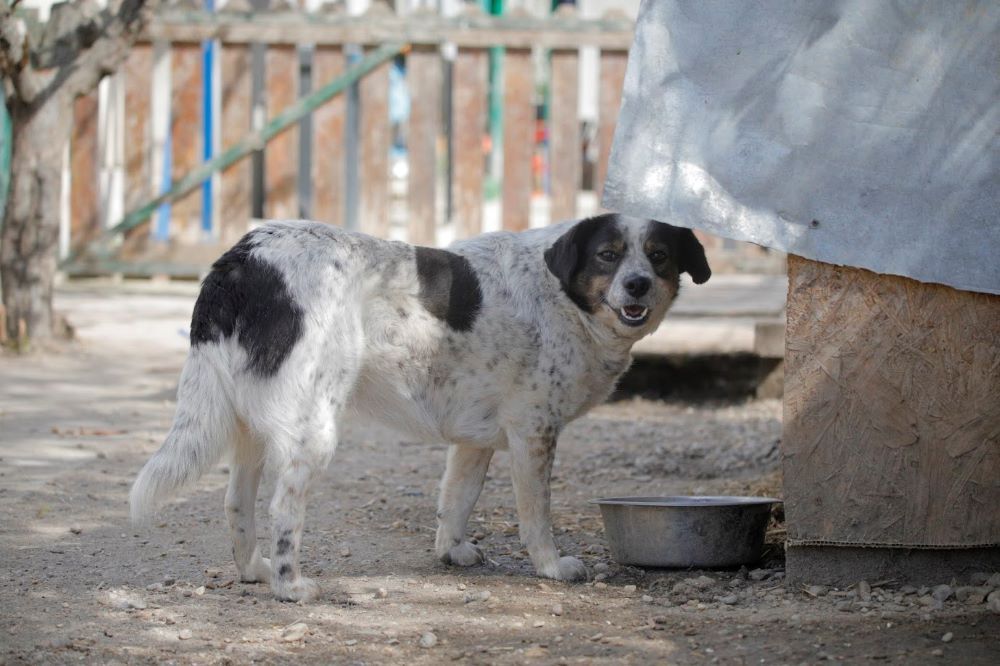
x: 30, y: 238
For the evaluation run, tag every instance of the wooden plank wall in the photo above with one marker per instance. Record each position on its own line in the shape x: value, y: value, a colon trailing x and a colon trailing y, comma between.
x: 426, y: 135
x: 892, y: 418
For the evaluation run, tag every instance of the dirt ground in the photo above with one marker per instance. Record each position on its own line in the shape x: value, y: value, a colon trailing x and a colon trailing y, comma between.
x: 79, y: 584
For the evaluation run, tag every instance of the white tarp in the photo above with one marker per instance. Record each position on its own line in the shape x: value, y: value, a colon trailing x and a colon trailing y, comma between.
x: 857, y: 132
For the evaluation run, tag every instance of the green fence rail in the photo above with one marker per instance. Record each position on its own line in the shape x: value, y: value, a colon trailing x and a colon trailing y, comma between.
x: 253, y: 141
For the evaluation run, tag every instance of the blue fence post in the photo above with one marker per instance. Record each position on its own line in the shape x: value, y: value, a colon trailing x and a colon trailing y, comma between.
x: 207, y: 123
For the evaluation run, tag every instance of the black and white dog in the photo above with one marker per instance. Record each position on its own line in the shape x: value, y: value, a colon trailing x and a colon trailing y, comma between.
x: 496, y: 343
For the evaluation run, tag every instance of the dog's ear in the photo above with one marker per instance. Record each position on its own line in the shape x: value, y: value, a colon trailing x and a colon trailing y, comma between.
x: 564, y: 256
x: 691, y: 256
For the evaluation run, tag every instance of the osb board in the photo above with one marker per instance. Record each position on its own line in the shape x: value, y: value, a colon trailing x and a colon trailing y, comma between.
x: 892, y: 410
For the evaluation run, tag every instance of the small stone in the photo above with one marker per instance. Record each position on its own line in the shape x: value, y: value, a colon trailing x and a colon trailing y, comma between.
x: 213, y: 573
x: 76, y: 529
x: 908, y: 589
x: 947, y: 638
x: 479, y: 536
x: 382, y: 593
x: 937, y: 652
x: 352, y: 641
x: 864, y: 591
x: 844, y: 606
x: 345, y: 552
x: 601, y: 576
x: 972, y: 595
x: 538, y: 624
x: 759, y: 574
x: 629, y: 589
x: 556, y: 609
x: 729, y: 599
x: 294, y: 632
x: 942, y: 592
x: 817, y: 590
x: 993, y: 601
x: 200, y: 590
x: 647, y: 599
x: 184, y: 634
x: 155, y: 587
x: 701, y: 582
x: 428, y: 640
x: 478, y: 596
x: 601, y: 567
x: 600, y: 585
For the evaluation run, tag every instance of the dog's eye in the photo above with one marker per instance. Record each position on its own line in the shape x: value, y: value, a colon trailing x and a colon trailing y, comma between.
x: 608, y: 255
x: 656, y: 256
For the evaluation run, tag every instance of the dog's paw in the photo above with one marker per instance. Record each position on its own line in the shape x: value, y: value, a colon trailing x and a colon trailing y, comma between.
x: 258, y: 571
x: 301, y: 590
x: 464, y: 554
x: 566, y: 568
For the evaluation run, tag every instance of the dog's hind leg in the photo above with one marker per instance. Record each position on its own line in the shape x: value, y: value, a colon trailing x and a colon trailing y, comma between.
x: 531, y: 469
x: 463, y: 481
x: 244, y: 479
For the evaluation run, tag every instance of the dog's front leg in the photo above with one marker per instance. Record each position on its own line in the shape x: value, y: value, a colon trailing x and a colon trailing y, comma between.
x: 531, y: 469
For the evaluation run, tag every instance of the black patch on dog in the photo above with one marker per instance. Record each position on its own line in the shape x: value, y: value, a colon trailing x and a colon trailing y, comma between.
x: 685, y: 253
x: 248, y: 297
x: 449, y: 288
x: 283, y: 546
x: 284, y: 570
x: 573, y: 258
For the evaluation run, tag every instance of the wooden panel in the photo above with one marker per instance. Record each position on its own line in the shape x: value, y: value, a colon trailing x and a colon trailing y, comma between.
x: 138, y: 76
x: 236, y: 186
x: 609, y: 103
x: 85, y: 221
x: 468, y: 103
x: 892, y: 422
x: 185, y: 133
x: 513, y: 31
x: 282, y: 153
x: 328, y: 140
x: 424, y: 79
x: 374, y: 178
x: 518, y: 138
x: 564, y: 137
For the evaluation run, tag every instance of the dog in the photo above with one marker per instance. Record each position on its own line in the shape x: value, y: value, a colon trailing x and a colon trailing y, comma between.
x: 495, y: 343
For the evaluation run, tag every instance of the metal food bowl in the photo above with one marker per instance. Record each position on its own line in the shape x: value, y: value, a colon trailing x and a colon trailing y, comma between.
x: 686, y: 531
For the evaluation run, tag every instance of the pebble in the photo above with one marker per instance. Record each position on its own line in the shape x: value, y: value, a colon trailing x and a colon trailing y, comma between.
x: 538, y: 624
x: 184, y: 634
x: 759, y: 574
x: 972, y: 595
x: 844, y: 606
x: 556, y: 609
x: 345, y: 552
x: 213, y: 573
x: 729, y: 599
x: 937, y: 652
x: 629, y: 589
x: 200, y: 590
x: 864, y: 591
x: 76, y: 529
x: 942, y: 592
x: 382, y: 593
x: 601, y: 576
x: 601, y: 567
x: 600, y: 585
x: 478, y: 596
x: 993, y: 601
x: 701, y: 582
x: 294, y: 632
x: 352, y: 641
x: 817, y: 590
x: 947, y: 637
x: 428, y: 640
x: 647, y: 599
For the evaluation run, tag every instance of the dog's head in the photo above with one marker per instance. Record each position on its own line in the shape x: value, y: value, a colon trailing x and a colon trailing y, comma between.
x: 625, y: 271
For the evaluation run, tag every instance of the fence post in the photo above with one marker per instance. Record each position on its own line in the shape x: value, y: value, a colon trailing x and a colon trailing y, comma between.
x: 424, y: 76
x: 236, y: 86
x: 469, y: 97
x: 328, y: 140
x: 282, y: 153
x: 373, y: 107
x: 564, y: 133
x: 518, y: 138
x: 608, y: 104
x: 85, y: 221
x: 138, y: 77
x: 185, y: 133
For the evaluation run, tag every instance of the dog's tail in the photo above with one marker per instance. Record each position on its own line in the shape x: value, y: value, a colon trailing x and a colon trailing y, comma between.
x: 201, y: 433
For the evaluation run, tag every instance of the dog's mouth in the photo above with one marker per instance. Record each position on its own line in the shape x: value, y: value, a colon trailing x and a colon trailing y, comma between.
x: 633, y: 315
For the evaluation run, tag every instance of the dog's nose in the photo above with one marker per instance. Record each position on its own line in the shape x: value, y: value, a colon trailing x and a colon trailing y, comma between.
x: 637, y: 285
